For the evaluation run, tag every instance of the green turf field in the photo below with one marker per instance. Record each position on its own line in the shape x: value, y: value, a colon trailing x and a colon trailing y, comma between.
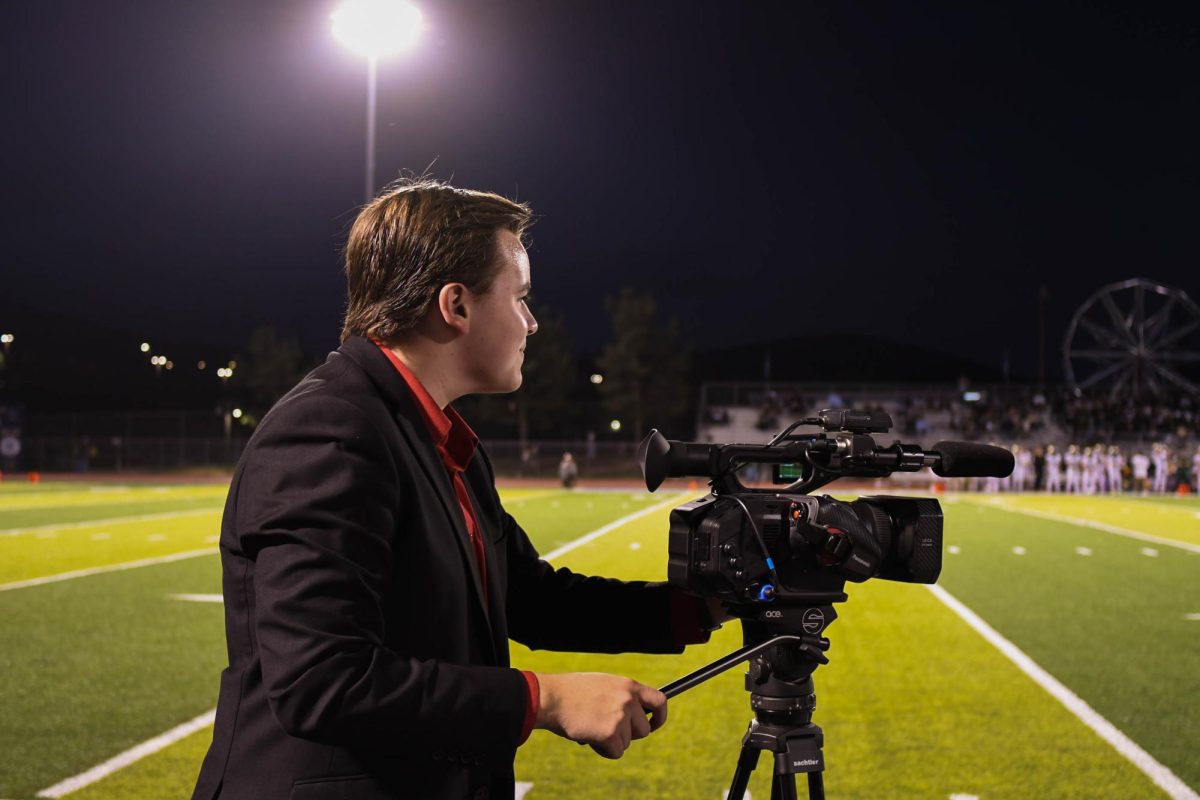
x: 97, y: 582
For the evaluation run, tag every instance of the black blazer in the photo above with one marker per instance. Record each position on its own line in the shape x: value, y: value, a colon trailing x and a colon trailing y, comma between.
x: 363, y: 661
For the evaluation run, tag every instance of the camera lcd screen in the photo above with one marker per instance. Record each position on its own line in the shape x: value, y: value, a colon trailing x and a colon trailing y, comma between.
x: 788, y: 473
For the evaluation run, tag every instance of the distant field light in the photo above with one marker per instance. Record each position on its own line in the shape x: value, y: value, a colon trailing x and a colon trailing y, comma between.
x: 170, y: 365
x: 145, y: 347
x: 202, y: 365
x: 6, y: 338
x: 972, y: 397
x: 615, y: 424
x: 597, y: 377
x: 232, y: 365
x: 376, y: 28
x: 158, y: 361
x: 237, y: 413
x: 224, y: 372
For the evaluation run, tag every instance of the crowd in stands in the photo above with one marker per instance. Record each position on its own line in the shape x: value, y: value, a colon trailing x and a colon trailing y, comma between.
x: 1101, y: 417
x: 1017, y: 413
x: 1108, y: 449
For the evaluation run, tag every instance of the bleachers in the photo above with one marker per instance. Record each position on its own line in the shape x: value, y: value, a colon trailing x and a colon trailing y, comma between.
x: 752, y: 413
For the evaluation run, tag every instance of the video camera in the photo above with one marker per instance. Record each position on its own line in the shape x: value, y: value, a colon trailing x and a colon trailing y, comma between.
x: 750, y: 547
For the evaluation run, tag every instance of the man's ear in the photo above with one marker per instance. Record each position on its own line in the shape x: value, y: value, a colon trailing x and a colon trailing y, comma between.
x: 452, y: 303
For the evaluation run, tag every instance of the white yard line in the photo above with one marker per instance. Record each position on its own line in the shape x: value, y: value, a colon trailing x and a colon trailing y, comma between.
x: 612, y: 526
x: 131, y: 755
x: 175, y: 734
x: 1087, y: 523
x: 80, y: 573
x: 199, y: 598
x: 1162, y: 776
x: 62, y: 526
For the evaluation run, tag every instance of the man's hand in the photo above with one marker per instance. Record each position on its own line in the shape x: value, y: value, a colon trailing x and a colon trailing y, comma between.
x: 604, y: 711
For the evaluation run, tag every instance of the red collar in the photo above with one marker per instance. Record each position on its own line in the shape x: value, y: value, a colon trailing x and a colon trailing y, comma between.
x: 455, y: 440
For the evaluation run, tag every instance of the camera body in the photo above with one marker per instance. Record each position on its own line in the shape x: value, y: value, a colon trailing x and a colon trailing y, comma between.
x: 748, y: 546
x: 797, y: 549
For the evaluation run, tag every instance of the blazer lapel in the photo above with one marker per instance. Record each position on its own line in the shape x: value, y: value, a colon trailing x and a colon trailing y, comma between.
x: 496, y: 580
x: 413, y: 428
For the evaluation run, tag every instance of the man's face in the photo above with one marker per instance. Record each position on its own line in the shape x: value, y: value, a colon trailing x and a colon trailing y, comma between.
x: 494, y: 347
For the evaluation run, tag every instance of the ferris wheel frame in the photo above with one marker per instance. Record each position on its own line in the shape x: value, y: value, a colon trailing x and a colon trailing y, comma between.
x: 1132, y: 352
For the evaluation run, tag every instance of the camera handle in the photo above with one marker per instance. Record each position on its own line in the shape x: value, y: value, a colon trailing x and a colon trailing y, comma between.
x: 812, y: 646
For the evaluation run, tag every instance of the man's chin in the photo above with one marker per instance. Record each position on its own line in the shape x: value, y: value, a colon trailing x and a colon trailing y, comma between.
x: 507, y: 388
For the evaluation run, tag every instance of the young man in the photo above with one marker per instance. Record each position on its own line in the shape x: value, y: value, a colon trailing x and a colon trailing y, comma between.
x: 372, y: 578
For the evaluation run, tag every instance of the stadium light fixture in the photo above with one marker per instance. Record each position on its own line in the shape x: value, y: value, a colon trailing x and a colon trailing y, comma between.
x: 237, y: 413
x: 375, y: 29
x: 615, y: 425
x: 145, y: 347
x: 597, y: 378
x: 6, y: 339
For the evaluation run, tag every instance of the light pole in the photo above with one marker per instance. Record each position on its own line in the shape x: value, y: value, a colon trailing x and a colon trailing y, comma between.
x: 376, y: 29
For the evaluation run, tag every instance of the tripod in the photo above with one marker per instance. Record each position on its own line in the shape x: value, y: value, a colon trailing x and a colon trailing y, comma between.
x: 782, y: 697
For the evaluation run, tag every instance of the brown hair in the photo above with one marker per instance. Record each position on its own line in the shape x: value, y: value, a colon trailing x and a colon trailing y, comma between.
x: 409, y: 242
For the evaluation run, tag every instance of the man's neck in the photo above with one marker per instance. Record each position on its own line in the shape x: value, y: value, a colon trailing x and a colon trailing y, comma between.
x: 424, y: 363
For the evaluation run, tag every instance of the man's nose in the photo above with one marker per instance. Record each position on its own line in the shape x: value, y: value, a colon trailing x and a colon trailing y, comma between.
x: 531, y: 327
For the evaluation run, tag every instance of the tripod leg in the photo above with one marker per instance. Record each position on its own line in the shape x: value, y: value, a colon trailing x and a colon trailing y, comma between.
x: 783, y: 787
x: 747, y: 761
x: 816, y: 786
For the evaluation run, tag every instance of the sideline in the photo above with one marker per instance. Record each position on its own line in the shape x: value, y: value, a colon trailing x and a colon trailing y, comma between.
x: 80, y: 573
x: 1162, y: 776
x: 1087, y: 523
x: 62, y: 526
x: 162, y: 741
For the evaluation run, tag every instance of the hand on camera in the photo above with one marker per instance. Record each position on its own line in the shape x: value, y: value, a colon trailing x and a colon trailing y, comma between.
x: 604, y: 711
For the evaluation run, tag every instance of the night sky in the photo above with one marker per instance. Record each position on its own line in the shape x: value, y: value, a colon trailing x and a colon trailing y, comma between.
x: 768, y: 170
